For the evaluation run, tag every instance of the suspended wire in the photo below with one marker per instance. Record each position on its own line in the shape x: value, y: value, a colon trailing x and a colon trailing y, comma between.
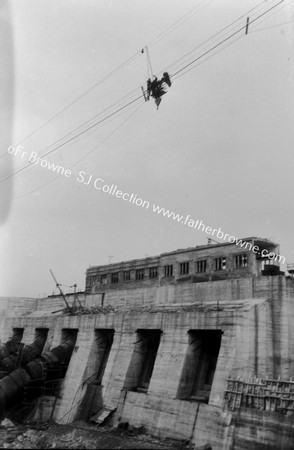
x: 221, y: 31
x: 180, y: 21
x: 272, y: 26
x: 132, y: 92
x: 234, y: 26
x: 91, y: 120
x: 252, y: 9
x: 117, y: 68
x: 214, y: 36
x: 83, y: 157
x: 80, y: 133
x: 225, y: 40
x: 108, y: 136
x: 135, y: 90
x: 173, y: 75
x: 207, y: 52
x: 124, y: 63
x: 93, y: 126
x: 72, y: 138
x: 149, y: 62
x: 274, y: 13
x: 208, y: 57
x: 149, y: 66
x: 150, y: 70
x: 77, y: 99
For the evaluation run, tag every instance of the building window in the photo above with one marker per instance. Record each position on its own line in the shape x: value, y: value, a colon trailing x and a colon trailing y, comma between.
x: 114, y: 277
x: 267, y: 262
x: 91, y: 280
x: 139, y: 274
x: 143, y: 359
x: 126, y: 275
x: 220, y: 263
x: 200, y: 364
x: 241, y: 260
x: 184, y: 268
x: 201, y: 266
x: 103, y: 279
x: 168, y: 271
x: 153, y: 272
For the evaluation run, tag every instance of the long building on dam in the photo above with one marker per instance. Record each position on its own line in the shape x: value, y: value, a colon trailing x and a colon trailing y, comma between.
x: 194, y: 344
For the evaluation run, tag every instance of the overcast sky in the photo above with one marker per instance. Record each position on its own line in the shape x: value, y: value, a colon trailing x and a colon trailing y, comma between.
x: 220, y: 148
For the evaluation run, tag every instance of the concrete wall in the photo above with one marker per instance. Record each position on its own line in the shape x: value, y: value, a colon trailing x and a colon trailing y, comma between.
x: 261, y: 430
x: 158, y: 410
x: 255, y: 315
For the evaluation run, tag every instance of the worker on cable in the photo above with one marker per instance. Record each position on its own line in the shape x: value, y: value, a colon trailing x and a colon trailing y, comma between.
x: 156, y: 89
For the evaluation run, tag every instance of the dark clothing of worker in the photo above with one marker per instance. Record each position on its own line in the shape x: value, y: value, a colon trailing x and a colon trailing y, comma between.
x: 156, y: 89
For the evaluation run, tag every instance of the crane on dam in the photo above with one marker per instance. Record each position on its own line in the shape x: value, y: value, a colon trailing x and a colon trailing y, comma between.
x: 61, y: 292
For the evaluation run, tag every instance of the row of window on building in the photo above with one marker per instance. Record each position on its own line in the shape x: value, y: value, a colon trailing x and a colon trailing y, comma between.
x: 240, y: 261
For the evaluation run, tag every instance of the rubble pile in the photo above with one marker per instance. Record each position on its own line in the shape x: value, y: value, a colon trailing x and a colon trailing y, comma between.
x: 37, y: 439
x: 81, y: 310
x: 75, y: 436
x: 93, y: 310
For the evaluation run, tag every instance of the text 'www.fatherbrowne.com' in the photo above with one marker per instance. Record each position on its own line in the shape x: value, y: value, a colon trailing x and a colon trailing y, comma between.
x: 112, y: 189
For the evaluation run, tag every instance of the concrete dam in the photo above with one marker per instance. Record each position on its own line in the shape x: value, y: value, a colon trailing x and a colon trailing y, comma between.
x: 194, y: 344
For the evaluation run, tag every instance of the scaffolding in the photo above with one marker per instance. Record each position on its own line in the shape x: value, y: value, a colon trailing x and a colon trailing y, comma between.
x: 263, y: 394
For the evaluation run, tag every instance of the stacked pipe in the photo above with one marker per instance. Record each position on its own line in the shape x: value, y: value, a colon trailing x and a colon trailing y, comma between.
x: 24, y: 356
x: 13, y: 384
x: 10, y: 347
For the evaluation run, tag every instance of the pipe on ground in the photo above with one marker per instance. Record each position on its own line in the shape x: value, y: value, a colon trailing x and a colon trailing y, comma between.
x: 10, y: 347
x: 28, y: 353
x: 13, y: 384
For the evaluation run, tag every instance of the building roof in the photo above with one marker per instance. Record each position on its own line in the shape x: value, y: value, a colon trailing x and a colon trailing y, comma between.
x: 257, y: 241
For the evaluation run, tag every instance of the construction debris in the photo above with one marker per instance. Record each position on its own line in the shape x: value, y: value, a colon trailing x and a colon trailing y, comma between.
x: 86, y: 437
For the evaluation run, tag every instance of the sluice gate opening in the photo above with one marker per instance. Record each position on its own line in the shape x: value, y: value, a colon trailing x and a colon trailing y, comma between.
x: 199, y: 365
x: 92, y: 401
x: 143, y: 359
x: 103, y: 344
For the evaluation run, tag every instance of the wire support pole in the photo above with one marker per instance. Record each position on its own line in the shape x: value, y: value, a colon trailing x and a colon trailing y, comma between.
x: 149, y: 61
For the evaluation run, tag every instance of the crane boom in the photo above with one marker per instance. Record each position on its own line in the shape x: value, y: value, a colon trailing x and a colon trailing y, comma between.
x: 60, y: 290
